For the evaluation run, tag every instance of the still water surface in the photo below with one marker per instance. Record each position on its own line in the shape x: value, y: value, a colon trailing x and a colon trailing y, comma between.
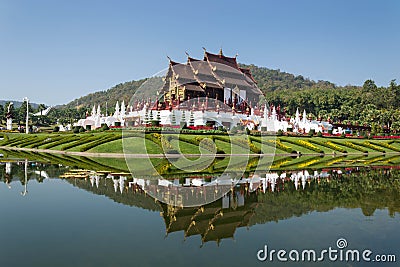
x: 48, y: 221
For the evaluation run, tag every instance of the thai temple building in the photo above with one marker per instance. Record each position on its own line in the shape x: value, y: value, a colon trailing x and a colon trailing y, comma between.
x: 207, y: 93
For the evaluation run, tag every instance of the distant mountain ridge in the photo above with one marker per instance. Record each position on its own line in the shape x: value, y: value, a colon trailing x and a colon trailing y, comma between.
x: 17, y: 104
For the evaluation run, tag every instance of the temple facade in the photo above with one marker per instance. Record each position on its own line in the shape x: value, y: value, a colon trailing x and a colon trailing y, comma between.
x: 209, y: 92
x: 216, y: 79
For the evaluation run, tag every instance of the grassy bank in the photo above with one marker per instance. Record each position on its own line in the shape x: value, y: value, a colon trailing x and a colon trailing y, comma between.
x: 153, y: 143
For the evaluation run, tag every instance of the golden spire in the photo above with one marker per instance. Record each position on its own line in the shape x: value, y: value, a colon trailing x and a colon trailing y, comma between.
x: 220, y: 52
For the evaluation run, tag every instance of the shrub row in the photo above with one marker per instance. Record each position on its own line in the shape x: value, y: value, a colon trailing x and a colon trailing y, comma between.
x: 305, y: 144
x: 45, y: 141
x: 328, y: 145
x: 252, y: 163
x: 32, y: 142
x: 99, y: 142
x: 308, y: 163
x: 9, y: 141
x: 350, y: 145
x: 275, y: 144
x: 22, y: 140
x: 278, y: 163
x: 281, y: 146
x: 386, y: 145
x: 80, y: 141
x: 162, y: 142
x: 209, y: 145
x: 374, y: 147
x: 27, y: 143
x: 188, y: 131
x: 243, y: 143
x: 5, y: 138
x: 65, y: 140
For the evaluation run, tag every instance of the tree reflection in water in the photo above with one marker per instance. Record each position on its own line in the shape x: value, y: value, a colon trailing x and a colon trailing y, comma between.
x: 259, y: 200
x: 256, y: 199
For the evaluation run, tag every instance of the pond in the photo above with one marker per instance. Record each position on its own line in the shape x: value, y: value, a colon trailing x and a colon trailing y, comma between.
x: 58, y: 215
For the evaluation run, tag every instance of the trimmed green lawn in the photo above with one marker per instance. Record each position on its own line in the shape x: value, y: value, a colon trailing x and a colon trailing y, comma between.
x: 139, y: 145
x: 184, y: 148
x: 132, y: 145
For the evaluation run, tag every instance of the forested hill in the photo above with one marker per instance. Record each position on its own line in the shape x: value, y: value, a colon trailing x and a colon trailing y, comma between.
x: 268, y: 80
x: 119, y: 92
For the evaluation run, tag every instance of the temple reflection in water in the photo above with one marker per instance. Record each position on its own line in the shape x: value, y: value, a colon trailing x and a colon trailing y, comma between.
x: 251, y: 200
x: 256, y: 199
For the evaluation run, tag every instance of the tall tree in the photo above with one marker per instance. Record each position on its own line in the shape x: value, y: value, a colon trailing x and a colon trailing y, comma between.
x: 22, y: 112
x: 1, y: 114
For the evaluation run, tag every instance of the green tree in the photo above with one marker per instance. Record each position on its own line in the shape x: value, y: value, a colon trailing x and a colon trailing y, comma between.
x: 22, y: 112
x: 2, y: 117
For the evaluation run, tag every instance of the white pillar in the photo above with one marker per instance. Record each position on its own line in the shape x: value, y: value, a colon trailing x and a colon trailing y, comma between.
x: 27, y: 115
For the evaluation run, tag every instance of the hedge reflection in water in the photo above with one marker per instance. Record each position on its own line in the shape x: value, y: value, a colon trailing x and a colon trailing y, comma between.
x: 254, y: 200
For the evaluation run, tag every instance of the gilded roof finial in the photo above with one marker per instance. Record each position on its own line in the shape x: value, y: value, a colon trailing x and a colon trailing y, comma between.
x: 220, y: 52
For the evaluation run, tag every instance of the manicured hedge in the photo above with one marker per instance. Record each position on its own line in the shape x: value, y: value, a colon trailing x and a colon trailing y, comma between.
x: 328, y: 145
x: 283, y: 147
x: 46, y: 140
x: 374, y: 147
x: 350, y: 145
x: 275, y: 144
x: 25, y: 139
x: 162, y: 142
x: 304, y: 144
x: 99, y: 142
x: 66, y: 139
x: 32, y: 142
x: 386, y: 145
x: 280, y: 162
x: 80, y: 141
x: 196, y: 141
x: 7, y: 140
x: 243, y: 143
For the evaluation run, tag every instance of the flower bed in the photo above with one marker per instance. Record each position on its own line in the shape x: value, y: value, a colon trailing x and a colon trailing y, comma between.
x: 329, y: 144
x: 305, y: 144
x: 374, y: 147
x: 243, y: 143
x: 386, y: 137
x: 386, y: 145
x: 160, y: 140
x: 278, y: 163
x: 207, y: 143
x: 283, y: 147
x: 308, y: 163
x: 350, y: 145
x: 335, y: 160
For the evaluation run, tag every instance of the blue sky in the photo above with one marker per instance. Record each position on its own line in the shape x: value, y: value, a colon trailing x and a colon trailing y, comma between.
x: 56, y: 51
